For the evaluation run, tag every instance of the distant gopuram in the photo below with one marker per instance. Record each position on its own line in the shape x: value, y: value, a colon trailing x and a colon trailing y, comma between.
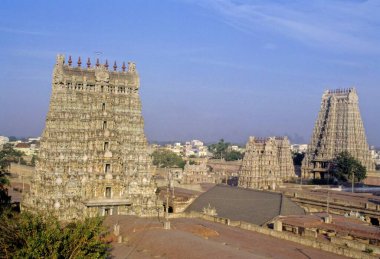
x: 338, y: 128
x: 266, y: 163
x: 93, y: 157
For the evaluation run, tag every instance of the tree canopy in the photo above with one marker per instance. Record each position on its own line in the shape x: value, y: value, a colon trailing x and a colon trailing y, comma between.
x: 221, y: 150
x: 164, y: 158
x: 5, y: 199
x: 26, y: 235
x: 8, y: 154
x: 233, y: 155
x: 297, y: 158
x: 344, y: 165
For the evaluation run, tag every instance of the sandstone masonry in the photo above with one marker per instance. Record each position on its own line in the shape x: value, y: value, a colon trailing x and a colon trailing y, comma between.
x: 266, y: 163
x: 338, y: 128
x: 93, y: 157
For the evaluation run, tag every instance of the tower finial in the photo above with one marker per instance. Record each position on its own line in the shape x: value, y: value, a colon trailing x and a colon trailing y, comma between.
x: 106, y: 64
x: 88, y: 63
x: 114, y: 66
x: 70, y: 61
x: 123, y: 67
x: 97, y: 62
x: 79, y: 62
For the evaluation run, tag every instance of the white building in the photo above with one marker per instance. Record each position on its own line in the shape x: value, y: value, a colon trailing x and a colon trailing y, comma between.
x: 298, y: 148
x: 3, y: 140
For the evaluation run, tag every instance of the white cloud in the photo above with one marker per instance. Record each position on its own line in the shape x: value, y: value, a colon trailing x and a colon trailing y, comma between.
x: 334, y: 24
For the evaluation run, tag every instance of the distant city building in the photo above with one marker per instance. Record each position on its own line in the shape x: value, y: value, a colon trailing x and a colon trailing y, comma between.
x: 27, y: 148
x: 375, y: 156
x: 338, y: 128
x: 196, y: 143
x: 93, y: 158
x: 267, y: 163
x: 190, y: 148
x: 298, y: 148
x: 34, y: 139
x: 3, y: 140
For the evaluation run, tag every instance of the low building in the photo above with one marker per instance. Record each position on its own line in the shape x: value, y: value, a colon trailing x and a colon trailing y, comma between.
x: 27, y: 148
x: 197, y: 173
x: 3, y: 140
x: 342, y: 230
x: 298, y: 148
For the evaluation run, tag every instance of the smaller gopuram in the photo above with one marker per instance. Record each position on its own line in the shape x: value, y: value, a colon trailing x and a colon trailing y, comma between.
x: 267, y: 163
x: 339, y: 127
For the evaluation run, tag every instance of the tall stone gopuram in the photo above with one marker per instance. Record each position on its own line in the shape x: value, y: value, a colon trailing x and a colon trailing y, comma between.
x: 338, y: 128
x: 93, y: 157
x: 267, y: 163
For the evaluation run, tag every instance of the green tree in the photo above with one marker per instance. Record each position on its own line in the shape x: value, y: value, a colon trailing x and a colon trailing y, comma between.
x: 345, y: 166
x: 297, y: 158
x: 12, y: 138
x: 33, y: 160
x: 5, y: 199
x: 26, y: 235
x: 233, y: 155
x: 219, y: 149
x: 8, y: 155
x: 164, y: 158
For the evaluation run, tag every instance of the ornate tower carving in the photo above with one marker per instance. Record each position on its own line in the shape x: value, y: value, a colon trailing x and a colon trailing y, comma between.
x: 338, y: 128
x: 93, y: 157
x: 266, y: 163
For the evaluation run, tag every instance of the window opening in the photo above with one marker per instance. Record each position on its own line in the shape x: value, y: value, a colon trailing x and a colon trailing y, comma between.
x: 108, y: 192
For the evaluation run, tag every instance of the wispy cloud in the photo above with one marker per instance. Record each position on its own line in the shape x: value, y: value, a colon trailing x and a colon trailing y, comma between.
x: 350, y: 25
x: 18, y: 31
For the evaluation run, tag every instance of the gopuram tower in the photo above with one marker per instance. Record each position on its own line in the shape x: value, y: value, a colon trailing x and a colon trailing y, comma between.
x: 93, y: 156
x: 267, y: 163
x: 338, y: 128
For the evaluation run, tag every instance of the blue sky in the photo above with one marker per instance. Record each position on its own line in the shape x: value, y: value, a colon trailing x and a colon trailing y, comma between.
x: 209, y: 69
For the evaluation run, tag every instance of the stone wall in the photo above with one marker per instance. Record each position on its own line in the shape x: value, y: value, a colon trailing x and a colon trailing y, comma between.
x: 373, y: 178
x: 311, y: 242
x: 22, y: 170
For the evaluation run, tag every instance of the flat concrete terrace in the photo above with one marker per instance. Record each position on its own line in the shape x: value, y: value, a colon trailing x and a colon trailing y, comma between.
x: 196, y: 238
x: 339, y: 201
x: 339, y: 224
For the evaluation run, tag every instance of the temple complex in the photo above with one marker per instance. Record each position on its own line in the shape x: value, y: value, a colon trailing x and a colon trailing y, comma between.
x: 338, y: 128
x: 267, y: 163
x: 93, y: 157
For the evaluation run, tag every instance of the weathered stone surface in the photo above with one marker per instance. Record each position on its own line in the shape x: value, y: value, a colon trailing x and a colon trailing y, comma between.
x: 266, y: 163
x: 93, y: 157
x: 338, y: 128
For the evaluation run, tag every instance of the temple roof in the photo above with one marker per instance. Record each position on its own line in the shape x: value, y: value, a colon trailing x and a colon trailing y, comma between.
x: 253, y: 206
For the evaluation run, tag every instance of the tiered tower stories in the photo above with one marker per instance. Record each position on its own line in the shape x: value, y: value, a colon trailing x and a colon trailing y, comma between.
x: 93, y: 157
x: 266, y: 163
x: 338, y: 128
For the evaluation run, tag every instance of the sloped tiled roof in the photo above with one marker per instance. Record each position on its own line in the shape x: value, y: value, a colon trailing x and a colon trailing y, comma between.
x: 247, y: 205
x: 22, y: 145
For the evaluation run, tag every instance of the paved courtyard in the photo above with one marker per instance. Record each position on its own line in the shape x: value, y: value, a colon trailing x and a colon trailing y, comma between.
x: 195, y: 238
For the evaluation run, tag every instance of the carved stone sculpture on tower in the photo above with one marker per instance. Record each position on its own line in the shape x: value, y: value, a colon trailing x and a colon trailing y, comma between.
x: 93, y: 157
x: 338, y: 128
x: 266, y: 163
